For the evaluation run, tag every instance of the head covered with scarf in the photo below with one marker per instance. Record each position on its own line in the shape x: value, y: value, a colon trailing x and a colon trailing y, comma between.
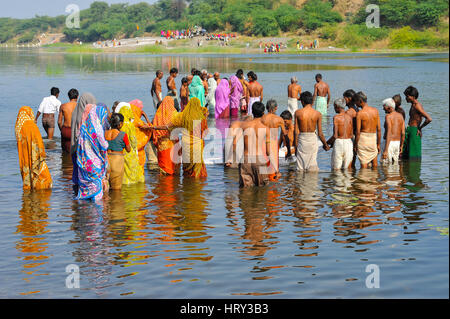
x: 83, y: 101
x: 196, y: 89
x: 92, y: 152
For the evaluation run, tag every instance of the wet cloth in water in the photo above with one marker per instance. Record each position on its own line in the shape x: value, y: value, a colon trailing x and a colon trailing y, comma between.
x: 253, y: 174
x: 292, y: 105
x: 412, y: 147
x: 321, y: 104
x: 367, y: 147
x: 33, y: 168
x: 250, y: 103
x: 115, y: 170
x: 393, y: 152
x: 342, y: 155
x: 66, y: 135
x: 307, y: 149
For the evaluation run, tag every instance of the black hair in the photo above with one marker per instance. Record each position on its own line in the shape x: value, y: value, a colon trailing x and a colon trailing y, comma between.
x: 184, y: 80
x: 158, y: 72
x: 411, y: 91
x: 271, y: 105
x: 116, y: 119
x: 173, y: 70
x: 73, y: 94
x: 306, y: 98
x: 318, y: 76
x: 197, y: 72
x: 397, y: 99
x: 54, y: 91
x: 193, y: 71
x: 239, y: 73
x: 349, y: 94
x: 258, y: 109
x: 360, y: 96
x: 253, y: 75
x: 286, y: 115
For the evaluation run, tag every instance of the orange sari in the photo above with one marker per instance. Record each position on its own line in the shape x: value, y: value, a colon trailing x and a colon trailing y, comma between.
x: 193, y: 120
x: 142, y: 135
x: 161, y: 139
x: 34, y: 170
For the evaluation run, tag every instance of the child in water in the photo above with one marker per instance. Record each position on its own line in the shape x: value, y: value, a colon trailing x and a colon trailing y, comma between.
x: 118, y: 141
x: 184, y: 93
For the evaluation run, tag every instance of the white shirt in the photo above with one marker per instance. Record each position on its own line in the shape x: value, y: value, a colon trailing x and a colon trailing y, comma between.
x: 49, y: 105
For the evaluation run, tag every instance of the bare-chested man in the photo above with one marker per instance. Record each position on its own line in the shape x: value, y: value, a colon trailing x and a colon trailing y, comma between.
x: 255, y: 91
x: 172, y: 88
x: 217, y: 77
x: 341, y: 141
x: 283, y: 144
x: 413, y: 136
x: 274, y: 122
x: 368, y: 132
x: 306, y: 122
x: 253, y: 170
x: 156, y: 90
x: 65, y: 118
x: 294, y: 91
x: 352, y: 110
x: 204, y: 78
x: 322, y: 95
x: 394, y: 132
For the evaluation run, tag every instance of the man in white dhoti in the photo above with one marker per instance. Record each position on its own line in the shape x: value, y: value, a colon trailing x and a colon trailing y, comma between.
x: 394, y: 134
x: 307, y: 122
x: 294, y: 91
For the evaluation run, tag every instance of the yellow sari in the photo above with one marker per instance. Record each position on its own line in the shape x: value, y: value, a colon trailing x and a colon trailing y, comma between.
x: 193, y: 120
x: 133, y: 172
x: 161, y: 139
x: 142, y: 135
x: 34, y: 170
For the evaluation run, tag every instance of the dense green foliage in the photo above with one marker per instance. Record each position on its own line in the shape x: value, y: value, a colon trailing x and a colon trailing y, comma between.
x: 399, y: 13
x: 248, y: 17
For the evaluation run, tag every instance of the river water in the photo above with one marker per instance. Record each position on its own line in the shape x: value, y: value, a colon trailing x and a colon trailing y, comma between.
x: 308, y: 236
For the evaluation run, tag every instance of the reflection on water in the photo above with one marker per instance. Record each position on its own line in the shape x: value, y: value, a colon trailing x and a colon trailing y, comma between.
x: 308, y: 235
x: 33, y: 243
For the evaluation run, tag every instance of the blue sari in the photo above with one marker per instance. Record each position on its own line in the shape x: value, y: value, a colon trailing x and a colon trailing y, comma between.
x: 92, y: 154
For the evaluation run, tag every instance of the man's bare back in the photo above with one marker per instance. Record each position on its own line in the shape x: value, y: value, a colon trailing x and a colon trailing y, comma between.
x: 65, y: 114
x: 307, y: 120
x: 255, y: 89
x: 394, y: 126
x: 256, y: 137
x: 368, y: 119
x: 343, y: 126
x: 294, y: 91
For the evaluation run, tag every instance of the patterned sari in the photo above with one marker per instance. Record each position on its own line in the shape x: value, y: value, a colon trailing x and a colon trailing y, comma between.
x: 92, y: 153
x: 134, y: 173
x: 196, y: 89
x: 142, y: 135
x: 161, y: 139
x: 193, y: 120
x: 34, y: 170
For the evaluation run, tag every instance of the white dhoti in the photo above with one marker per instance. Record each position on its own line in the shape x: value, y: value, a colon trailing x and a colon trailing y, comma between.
x: 367, y: 147
x: 342, y: 155
x: 292, y: 105
x: 252, y: 100
x: 393, y: 152
x: 155, y: 99
x: 307, y: 149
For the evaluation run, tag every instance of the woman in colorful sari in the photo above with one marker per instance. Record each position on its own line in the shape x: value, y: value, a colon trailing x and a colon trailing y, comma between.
x: 235, y: 95
x: 143, y: 133
x: 92, y: 149
x: 211, y: 97
x: 196, y: 89
x: 193, y: 121
x: 85, y: 99
x: 223, y: 100
x: 134, y: 173
x: 167, y: 161
x: 33, y: 168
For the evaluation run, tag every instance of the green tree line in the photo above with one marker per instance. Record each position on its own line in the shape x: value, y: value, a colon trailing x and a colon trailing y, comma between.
x: 249, y: 17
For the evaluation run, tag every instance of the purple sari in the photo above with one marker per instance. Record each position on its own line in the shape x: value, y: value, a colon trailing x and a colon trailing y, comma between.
x: 235, y: 97
x: 222, y: 98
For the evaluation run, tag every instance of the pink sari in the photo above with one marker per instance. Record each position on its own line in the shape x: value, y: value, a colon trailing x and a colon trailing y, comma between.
x: 222, y: 109
x: 236, y: 95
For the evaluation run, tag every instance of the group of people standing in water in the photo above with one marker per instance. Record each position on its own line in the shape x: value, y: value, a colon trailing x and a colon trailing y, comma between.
x: 108, y: 148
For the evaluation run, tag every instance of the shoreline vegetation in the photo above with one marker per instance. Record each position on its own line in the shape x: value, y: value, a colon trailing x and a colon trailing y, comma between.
x: 338, y: 25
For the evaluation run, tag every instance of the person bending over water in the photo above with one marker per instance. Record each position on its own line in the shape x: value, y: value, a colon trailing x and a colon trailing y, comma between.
x: 306, y: 122
x: 65, y: 119
x: 118, y: 141
x: 394, y: 133
x: 341, y: 141
x: 368, y: 132
x: 413, y: 136
x: 321, y: 95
